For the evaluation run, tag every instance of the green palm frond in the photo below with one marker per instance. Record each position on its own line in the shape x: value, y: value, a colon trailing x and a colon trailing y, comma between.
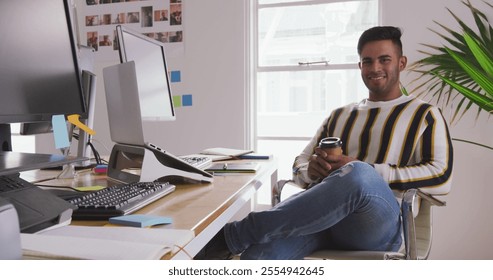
x: 463, y: 68
x: 483, y: 56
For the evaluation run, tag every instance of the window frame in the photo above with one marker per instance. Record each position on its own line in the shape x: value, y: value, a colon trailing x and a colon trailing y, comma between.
x: 255, y: 68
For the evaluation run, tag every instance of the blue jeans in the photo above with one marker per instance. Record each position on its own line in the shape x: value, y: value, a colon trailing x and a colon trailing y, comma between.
x: 352, y: 209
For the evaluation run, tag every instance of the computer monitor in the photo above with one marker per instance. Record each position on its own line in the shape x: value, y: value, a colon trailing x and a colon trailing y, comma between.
x: 39, y: 70
x: 156, y: 100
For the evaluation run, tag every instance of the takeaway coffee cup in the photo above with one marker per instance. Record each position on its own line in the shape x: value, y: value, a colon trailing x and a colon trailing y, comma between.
x: 331, y: 145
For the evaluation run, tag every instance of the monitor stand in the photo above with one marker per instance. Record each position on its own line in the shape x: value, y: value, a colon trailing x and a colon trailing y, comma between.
x: 89, y: 89
x: 5, y: 138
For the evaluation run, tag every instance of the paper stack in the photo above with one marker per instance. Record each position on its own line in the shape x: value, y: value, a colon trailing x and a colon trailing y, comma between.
x: 104, y: 243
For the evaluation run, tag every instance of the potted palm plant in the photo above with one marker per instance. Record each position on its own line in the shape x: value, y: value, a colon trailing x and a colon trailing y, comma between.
x: 462, y: 68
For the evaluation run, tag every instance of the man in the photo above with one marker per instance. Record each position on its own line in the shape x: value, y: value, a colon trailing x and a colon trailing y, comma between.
x: 391, y: 142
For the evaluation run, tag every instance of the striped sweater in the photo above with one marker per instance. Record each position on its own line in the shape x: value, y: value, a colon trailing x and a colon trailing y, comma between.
x: 406, y: 140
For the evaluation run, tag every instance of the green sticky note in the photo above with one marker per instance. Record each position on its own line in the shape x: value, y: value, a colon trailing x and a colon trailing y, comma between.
x: 176, y: 101
x: 89, y: 188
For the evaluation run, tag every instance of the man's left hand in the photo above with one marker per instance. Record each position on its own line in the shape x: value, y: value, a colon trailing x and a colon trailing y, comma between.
x: 336, y: 161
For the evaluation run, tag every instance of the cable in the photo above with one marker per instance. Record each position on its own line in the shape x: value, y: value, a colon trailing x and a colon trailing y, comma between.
x: 95, y: 152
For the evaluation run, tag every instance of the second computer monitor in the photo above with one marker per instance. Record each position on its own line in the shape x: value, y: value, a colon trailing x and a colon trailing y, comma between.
x: 156, y: 101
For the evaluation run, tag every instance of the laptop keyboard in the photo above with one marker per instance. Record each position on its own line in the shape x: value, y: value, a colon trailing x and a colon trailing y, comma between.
x: 118, y: 200
x: 197, y: 161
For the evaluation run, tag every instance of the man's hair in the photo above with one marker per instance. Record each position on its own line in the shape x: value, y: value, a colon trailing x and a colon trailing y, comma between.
x: 381, y: 33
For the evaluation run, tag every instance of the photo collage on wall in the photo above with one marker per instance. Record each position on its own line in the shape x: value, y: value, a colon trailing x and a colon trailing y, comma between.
x: 158, y: 19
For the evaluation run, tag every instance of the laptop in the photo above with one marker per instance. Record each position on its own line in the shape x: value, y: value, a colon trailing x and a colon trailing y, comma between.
x: 126, y: 124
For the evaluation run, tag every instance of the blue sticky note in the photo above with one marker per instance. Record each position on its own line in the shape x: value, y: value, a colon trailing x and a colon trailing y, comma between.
x: 186, y: 100
x: 138, y: 220
x: 60, y: 131
x: 175, y: 76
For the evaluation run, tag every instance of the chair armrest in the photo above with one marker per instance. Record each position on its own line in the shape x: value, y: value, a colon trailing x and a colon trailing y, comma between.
x: 409, y: 221
x: 430, y: 198
x: 284, y: 189
x: 276, y: 191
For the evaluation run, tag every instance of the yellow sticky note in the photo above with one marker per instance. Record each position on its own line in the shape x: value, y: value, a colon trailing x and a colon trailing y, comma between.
x: 89, y: 188
x: 74, y: 119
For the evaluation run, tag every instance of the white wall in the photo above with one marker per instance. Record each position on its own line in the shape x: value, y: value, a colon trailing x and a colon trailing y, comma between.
x: 214, y: 68
x: 462, y: 229
x: 213, y: 71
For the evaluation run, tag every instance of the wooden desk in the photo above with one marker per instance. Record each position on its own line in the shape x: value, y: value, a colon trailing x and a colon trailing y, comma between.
x: 201, y: 208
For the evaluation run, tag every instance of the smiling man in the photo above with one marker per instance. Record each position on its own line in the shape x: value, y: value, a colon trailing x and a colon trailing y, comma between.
x: 381, y: 63
x: 390, y: 142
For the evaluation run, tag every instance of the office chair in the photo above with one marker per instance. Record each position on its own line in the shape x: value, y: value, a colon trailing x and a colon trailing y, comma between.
x: 417, y: 226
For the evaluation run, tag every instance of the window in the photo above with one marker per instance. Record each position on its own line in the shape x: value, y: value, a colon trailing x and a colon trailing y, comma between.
x: 305, y: 65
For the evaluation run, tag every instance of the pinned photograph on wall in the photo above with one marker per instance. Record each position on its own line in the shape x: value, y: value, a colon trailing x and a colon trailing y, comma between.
x: 92, y: 40
x: 133, y: 17
x: 146, y: 16
x: 175, y: 14
x: 161, y: 20
x: 161, y: 15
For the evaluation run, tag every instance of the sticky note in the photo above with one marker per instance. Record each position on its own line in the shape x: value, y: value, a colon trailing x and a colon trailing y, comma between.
x: 176, y: 101
x: 138, y: 220
x: 60, y: 131
x: 74, y: 119
x: 89, y: 188
x: 175, y: 76
x: 186, y: 100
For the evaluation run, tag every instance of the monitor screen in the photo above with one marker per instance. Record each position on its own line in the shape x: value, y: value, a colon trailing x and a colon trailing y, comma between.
x: 39, y: 71
x: 156, y: 100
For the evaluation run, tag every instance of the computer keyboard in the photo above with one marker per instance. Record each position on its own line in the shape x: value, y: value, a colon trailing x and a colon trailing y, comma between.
x: 118, y: 200
x: 200, y: 162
